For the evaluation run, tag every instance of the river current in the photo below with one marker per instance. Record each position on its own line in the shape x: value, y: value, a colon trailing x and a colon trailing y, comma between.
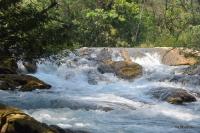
x: 111, y: 105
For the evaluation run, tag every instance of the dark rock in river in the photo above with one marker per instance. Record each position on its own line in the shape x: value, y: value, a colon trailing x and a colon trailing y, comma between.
x: 21, y: 82
x: 104, y: 54
x: 193, y: 80
x: 192, y: 70
x: 85, y: 53
x: 8, y: 66
x: 94, y: 77
x: 30, y: 66
x: 172, y: 95
x: 60, y: 130
x: 123, y: 69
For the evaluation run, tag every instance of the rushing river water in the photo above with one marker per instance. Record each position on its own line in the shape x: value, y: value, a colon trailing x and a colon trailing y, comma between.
x: 112, y: 105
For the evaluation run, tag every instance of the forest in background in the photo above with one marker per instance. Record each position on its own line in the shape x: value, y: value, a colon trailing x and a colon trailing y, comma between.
x: 36, y: 28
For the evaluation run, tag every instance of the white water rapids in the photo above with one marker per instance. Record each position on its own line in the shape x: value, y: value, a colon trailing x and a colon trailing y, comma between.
x: 112, y: 105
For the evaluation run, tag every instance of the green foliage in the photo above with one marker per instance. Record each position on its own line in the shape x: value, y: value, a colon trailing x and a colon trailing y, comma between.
x: 31, y: 29
x: 27, y: 28
x: 108, y: 27
x: 190, y: 37
x: 175, y: 23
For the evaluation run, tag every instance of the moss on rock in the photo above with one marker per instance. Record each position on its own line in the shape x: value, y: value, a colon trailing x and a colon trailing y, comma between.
x: 129, y: 72
x: 122, y: 69
x: 14, y: 120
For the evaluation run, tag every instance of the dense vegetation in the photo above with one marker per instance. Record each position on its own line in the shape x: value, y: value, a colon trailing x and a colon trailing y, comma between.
x: 34, y: 28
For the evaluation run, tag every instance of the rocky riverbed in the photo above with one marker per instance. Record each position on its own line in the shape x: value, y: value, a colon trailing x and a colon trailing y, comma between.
x: 103, y: 90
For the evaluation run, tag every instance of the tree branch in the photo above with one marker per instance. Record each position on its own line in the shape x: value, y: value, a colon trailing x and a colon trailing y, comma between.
x: 52, y: 5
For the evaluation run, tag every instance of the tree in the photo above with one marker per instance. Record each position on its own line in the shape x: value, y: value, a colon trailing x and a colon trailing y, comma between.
x: 28, y: 30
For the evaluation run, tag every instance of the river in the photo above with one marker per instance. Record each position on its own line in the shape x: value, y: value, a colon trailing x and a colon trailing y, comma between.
x: 112, y: 105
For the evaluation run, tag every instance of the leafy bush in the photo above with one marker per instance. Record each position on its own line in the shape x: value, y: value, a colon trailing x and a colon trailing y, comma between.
x: 190, y: 37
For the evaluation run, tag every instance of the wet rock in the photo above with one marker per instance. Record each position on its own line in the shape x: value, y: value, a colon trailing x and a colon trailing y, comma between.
x: 104, y: 54
x: 21, y: 82
x: 125, y: 55
x: 60, y: 130
x: 173, y: 95
x: 184, y: 126
x: 57, y: 129
x: 86, y: 53
x: 191, y: 80
x: 192, y: 70
x: 30, y: 66
x: 94, y: 77
x: 130, y: 71
x: 123, y: 69
x: 69, y: 74
x: 8, y: 66
x: 15, y: 121
x: 175, y: 57
x: 106, y: 67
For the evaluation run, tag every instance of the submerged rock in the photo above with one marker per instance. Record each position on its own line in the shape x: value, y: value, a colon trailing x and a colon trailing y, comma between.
x: 8, y: 66
x: 172, y: 95
x: 104, y: 54
x: 192, y: 70
x: 175, y: 57
x: 122, y: 69
x: 21, y: 82
x: 94, y: 77
x: 189, y: 80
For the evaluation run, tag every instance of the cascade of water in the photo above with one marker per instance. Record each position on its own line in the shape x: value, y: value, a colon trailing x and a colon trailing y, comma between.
x: 112, y: 105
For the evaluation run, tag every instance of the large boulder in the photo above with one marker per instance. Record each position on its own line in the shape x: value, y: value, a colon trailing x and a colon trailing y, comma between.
x: 175, y: 57
x: 21, y: 82
x: 8, y: 66
x: 173, y: 95
x: 122, y: 69
x: 13, y: 120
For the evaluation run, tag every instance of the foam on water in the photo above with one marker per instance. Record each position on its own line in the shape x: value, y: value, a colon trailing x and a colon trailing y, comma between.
x: 112, y: 106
